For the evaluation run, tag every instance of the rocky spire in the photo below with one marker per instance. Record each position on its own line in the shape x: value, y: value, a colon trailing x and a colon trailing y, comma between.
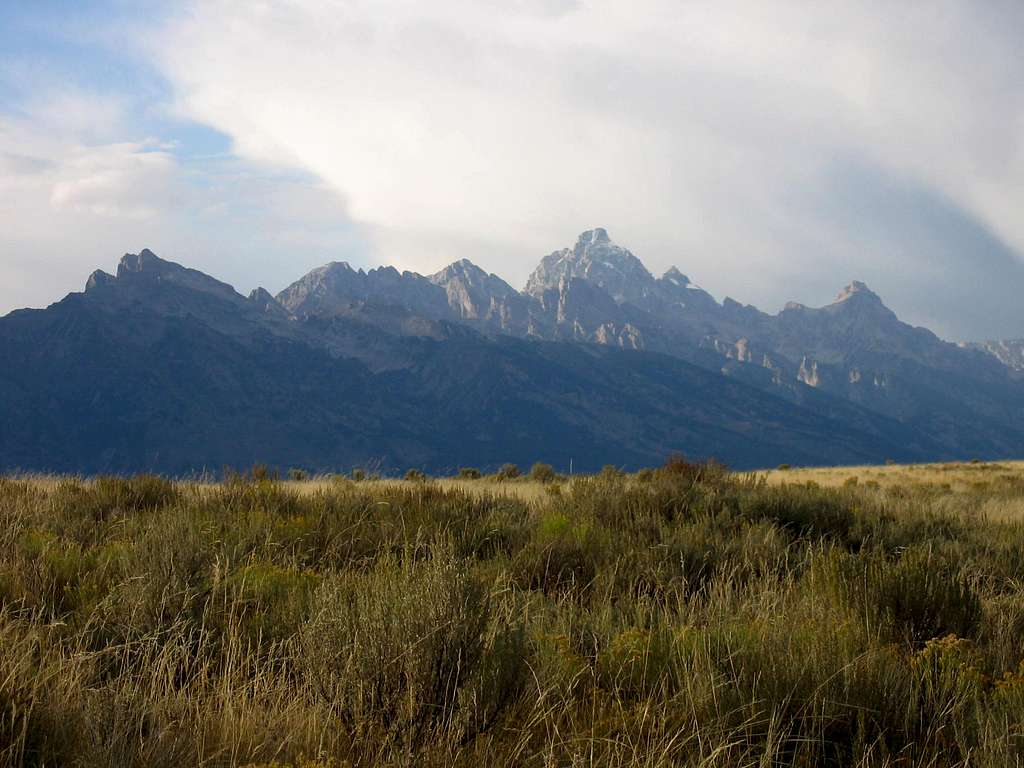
x: 598, y: 260
x: 859, y: 289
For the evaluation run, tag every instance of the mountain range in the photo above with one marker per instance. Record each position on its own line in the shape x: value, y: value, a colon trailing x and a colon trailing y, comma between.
x: 597, y: 361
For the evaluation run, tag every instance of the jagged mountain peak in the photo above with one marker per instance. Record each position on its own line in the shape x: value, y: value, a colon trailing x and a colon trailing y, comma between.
x: 143, y: 271
x: 854, y: 296
x: 855, y: 356
x: 857, y: 300
x: 335, y: 287
x: 266, y: 302
x: 467, y: 274
x: 319, y: 286
x: 260, y: 295
x: 143, y: 261
x: 330, y: 269
x: 856, y: 288
x: 674, y: 276
x: 97, y: 279
x: 342, y: 266
x: 594, y: 236
x: 461, y: 268
x: 599, y: 260
x: 475, y: 295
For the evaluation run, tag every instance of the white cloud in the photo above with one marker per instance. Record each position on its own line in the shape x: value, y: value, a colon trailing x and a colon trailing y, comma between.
x: 709, y: 134
x: 69, y: 206
x: 73, y: 114
x: 773, y: 151
x: 129, y: 181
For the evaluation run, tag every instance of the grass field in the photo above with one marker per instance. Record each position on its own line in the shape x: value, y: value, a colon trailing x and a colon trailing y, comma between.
x: 868, y: 616
x: 957, y: 477
x: 963, y: 476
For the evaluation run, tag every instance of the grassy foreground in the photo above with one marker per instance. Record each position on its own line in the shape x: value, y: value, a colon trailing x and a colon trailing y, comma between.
x: 685, y: 616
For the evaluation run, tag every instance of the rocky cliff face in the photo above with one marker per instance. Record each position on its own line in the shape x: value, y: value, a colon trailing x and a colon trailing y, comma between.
x: 482, y: 300
x: 335, y: 288
x: 144, y: 276
x: 597, y: 260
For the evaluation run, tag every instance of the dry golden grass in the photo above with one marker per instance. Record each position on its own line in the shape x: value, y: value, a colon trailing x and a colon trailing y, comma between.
x: 958, y: 475
x: 608, y: 621
x: 952, y: 476
x: 521, y: 489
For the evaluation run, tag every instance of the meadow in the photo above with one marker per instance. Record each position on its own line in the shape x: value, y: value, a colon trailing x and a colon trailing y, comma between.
x: 680, y: 616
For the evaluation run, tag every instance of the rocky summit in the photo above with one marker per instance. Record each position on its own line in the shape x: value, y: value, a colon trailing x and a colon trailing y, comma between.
x: 163, y: 368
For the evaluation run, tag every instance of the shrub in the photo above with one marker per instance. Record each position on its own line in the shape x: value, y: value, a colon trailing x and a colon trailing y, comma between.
x: 803, y: 510
x: 507, y: 472
x: 680, y: 616
x: 412, y: 649
x: 82, y: 505
x: 915, y: 599
x: 784, y: 467
x: 415, y: 475
x: 296, y: 474
x: 677, y: 467
x: 358, y: 475
x: 273, y: 600
x: 542, y: 473
x: 676, y: 464
x: 469, y: 473
x: 61, y: 576
x: 142, y: 493
x: 33, y: 729
x: 948, y: 676
x: 638, y: 663
x: 561, y: 557
x: 558, y: 667
x: 171, y: 563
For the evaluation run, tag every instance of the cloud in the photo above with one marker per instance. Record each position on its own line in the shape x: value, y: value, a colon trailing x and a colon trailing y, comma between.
x: 78, y: 114
x: 70, y: 206
x: 719, y: 136
x: 117, y: 181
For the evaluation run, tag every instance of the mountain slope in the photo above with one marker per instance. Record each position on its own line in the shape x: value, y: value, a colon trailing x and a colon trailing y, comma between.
x: 855, y: 349
x: 482, y: 300
x: 159, y: 369
x: 1010, y: 352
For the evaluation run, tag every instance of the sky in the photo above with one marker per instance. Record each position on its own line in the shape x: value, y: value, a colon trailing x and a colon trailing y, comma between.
x: 771, y: 151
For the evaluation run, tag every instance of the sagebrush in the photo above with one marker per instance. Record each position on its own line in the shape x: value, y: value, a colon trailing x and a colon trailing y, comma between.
x: 682, y: 616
